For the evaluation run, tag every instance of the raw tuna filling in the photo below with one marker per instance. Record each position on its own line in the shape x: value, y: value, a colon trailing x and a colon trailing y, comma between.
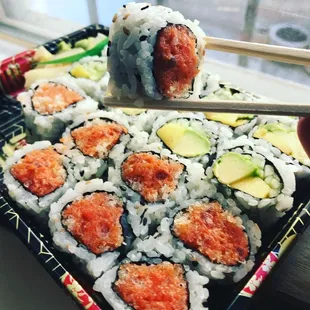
x: 50, y: 98
x: 41, y: 172
x: 152, y: 287
x: 213, y: 232
x: 175, y: 60
x: 97, y: 139
x: 154, y: 178
x: 94, y: 221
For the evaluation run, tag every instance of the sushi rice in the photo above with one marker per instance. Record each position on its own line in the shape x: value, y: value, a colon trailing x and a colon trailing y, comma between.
x: 96, y: 89
x: 133, y: 35
x: 266, y: 210
x: 86, y: 165
x: 50, y: 126
x: 165, y: 243
x: 19, y: 192
x: 197, y: 292
x: 65, y: 241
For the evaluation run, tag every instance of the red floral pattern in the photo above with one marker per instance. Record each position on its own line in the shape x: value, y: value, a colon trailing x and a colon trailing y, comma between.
x: 78, y: 292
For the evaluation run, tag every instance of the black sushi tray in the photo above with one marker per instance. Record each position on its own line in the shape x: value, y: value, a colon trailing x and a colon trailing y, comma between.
x: 61, y: 266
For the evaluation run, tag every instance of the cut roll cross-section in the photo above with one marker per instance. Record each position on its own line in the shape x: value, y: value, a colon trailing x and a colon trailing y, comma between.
x: 238, y: 171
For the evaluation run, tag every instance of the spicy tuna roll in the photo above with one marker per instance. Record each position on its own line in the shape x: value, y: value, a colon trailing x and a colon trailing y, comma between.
x: 49, y: 106
x: 155, y: 285
x: 37, y: 175
x: 153, y: 177
x: 89, y: 141
x: 154, y: 52
x: 218, y: 242
x: 89, y: 221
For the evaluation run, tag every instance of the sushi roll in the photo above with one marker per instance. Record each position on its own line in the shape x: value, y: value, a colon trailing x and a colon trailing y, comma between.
x: 49, y: 106
x: 279, y: 136
x: 188, y: 135
x: 152, y: 176
x: 90, y: 139
x: 37, y: 175
x: 154, y: 183
x: 214, y: 89
x: 90, y: 74
x: 154, y: 52
x: 217, y: 241
x: 263, y: 185
x: 89, y: 222
x: 153, y: 284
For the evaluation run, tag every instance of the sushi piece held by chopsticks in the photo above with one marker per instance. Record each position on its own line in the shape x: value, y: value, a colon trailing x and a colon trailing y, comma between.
x: 155, y: 53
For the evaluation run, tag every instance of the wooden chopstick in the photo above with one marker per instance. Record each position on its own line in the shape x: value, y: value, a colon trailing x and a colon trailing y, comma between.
x: 221, y: 106
x: 290, y: 55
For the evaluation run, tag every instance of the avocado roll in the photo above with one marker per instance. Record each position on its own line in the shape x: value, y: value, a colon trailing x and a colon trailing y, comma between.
x: 279, y: 136
x: 37, y: 175
x: 188, y: 135
x: 49, y: 106
x: 153, y: 284
x: 214, y: 89
x: 154, y: 52
x: 90, y: 140
x: 217, y: 241
x: 90, y: 74
x: 89, y: 222
x: 262, y: 184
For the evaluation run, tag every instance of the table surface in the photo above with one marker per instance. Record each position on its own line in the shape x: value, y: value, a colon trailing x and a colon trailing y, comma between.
x: 24, y: 284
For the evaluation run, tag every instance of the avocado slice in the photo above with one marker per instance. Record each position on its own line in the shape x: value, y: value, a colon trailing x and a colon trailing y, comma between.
x: 132, y: 112
x: 84, y: 43
x: 254, y: 186
x: 63, y: 47
x: 232, y: 167
x: 93, y: 70
x: 282, y: 137
x: 90, y: 42
x: 183, y: 140
x: 230, y: 119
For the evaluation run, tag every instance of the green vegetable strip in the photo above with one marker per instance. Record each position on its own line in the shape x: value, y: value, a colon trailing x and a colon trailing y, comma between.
x: 96, y: 50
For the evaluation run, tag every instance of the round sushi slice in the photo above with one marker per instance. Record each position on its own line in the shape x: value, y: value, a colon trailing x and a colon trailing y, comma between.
x: 213, y: 89
x: 152, y: 176
x: 37, y: 175
x: 89, y: 141
x: 155, y: 57
x: 49, y: 106
x: 188, y: 135
x: 279, y: 136
x: 216, y: 241
x: 90, y: 74
x: 262, y: 184
x: 153, y: 284
x: 89, y: 221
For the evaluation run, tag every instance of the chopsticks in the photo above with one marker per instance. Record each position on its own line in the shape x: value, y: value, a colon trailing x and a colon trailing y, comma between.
x: 290, y: 55
x: 221, y: 106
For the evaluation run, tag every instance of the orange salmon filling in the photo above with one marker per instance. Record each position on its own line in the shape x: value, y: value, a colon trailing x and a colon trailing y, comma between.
x: 154, y: 178
x: 215, y: 233
x: 96, y: 140
x: 175, y: 60
x: 40, y: 171
x: 95, y: 221
x: 50, y: 98
x: 153, y: 287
